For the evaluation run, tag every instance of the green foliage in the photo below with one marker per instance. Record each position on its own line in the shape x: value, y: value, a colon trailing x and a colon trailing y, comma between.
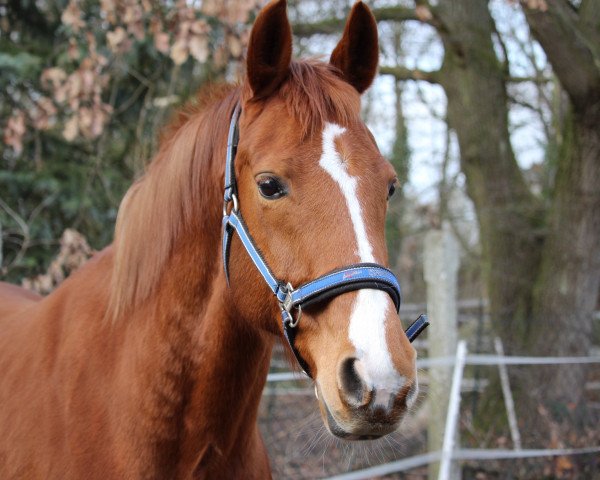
x: 22, y: 64
x: 84, y: 89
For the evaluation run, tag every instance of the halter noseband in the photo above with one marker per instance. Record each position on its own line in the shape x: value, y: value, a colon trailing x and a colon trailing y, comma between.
x: 332, y: 284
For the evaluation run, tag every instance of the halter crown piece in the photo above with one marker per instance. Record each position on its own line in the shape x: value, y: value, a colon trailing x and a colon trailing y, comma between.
x: 336, y: 282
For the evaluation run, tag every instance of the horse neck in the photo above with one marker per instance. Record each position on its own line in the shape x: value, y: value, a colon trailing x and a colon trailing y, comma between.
x: 202, y: 373
x: 200, y: 367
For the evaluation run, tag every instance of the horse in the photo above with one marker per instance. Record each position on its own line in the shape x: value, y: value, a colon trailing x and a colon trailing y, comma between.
x: 150, y: 360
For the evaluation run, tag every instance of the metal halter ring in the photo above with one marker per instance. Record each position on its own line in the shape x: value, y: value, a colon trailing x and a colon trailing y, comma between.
x: 287, y: 306
x: 294, y: 323
x: 236, y: 205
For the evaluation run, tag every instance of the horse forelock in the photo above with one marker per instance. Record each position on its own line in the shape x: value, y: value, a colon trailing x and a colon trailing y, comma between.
x: 180, y: 180
x: 314, y: 94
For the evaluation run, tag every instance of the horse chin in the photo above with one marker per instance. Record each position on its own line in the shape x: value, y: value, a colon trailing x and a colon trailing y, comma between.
x: 356, y: 430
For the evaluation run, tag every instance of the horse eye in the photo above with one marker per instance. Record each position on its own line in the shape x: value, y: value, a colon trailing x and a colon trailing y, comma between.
x: 271, y: 188
x: 391, y: 189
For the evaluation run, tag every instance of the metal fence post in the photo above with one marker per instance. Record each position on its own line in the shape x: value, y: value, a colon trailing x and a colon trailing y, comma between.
x: 508, y: 398
x: 451, y: 426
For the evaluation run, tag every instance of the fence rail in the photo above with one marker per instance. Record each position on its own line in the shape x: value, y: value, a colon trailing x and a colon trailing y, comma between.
x: 473, y: 359
x: 459, y: 454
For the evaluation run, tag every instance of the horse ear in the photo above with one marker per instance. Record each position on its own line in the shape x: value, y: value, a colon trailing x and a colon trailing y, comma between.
x: 269, y: 49
x: 357, y: 54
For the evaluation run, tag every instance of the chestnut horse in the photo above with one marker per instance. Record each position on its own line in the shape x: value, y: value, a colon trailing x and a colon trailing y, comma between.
x: 145, y: 363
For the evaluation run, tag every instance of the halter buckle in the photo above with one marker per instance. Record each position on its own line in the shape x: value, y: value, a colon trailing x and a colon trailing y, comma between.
x: 286, y: 304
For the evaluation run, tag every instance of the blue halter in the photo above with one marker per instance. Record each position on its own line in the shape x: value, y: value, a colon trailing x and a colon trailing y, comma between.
x: 346, y: 279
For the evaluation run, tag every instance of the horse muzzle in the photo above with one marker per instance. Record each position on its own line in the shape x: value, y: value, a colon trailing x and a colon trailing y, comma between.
x: 367, y: 415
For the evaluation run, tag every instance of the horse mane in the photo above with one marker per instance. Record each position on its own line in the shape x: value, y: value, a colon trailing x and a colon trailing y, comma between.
x: 179, y: 181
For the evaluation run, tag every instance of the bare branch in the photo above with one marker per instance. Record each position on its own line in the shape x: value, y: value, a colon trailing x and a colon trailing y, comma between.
x: 398, y: 14
x: 325, y: 26
x: 568, y: 50
x: 402, y: 73
x: 537, y: 79
x: 335, y: 25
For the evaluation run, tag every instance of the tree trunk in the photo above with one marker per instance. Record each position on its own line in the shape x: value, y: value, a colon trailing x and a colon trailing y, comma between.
x: 567, y: 286
x: 508, y: 213
x: 400, y: 158
x: 542, y: 269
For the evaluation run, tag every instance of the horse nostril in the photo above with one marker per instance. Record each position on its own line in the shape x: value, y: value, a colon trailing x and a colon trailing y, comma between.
x: 351, y: 384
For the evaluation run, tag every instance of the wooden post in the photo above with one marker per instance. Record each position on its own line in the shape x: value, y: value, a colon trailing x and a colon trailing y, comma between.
x: 441, y: 268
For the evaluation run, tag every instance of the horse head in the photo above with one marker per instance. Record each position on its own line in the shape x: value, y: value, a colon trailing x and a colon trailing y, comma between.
x: 313, y: 189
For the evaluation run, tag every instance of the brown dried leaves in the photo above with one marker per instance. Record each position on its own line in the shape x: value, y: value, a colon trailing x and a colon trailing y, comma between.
x: 74, y: 252
x: 75, y: 92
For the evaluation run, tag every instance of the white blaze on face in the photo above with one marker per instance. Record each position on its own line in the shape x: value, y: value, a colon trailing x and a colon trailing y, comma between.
x: 367, y: 320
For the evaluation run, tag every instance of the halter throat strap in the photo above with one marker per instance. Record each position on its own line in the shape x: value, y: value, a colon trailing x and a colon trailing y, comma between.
x: 292, y: 300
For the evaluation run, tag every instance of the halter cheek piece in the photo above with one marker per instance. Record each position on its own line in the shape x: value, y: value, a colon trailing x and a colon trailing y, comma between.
x: 332, y: 284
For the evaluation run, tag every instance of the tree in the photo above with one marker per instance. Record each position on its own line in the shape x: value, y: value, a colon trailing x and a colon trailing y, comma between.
x: 568, y: 276
x: 541, y: 258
